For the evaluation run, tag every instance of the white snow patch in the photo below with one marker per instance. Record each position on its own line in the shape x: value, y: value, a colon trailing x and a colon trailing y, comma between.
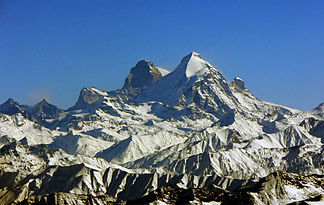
x: 163, y: 71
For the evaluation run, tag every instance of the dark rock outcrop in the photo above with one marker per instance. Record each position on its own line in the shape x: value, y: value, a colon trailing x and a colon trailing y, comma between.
x: 11, y: 107
x: 45, y: 110
x: 142, y: 76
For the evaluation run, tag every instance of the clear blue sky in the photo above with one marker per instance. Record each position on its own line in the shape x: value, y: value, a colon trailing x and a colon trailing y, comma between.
x: 53, y: 49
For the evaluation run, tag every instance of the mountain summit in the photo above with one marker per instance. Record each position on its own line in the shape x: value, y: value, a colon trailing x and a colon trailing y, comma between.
x: 194, y: 84
x: 170, y: 88
x: 142, y: 76
x: 11, y: 107
x: 44, y: 109
x: 90, y: 99
x: 193, y: 65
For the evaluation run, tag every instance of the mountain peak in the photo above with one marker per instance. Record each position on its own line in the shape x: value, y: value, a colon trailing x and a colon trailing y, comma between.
x: 193, y: 54
x: 89, y: 96
x: 194, y: 83
x: 43, y: 110
x: 144, y: 61
x: 320, y: 108
x: 142, y: 75
x: 11, y: 107
x: 238, y: 84
x: 10, y: 101
x: 43, y: 102
x: 193, y: 65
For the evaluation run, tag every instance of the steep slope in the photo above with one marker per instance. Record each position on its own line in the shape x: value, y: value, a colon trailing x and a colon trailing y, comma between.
x: 19, y: 128
x: 136, y: 147
x: 90, y: 99
x: 319, y: 110
x: 212, y: 156
x: 141, y: 77
x: 163, y: 71
x: 191, y: 70
x: 253, y: 107
x: 195, y: 84
x: 49, y: 170
x: 277, y: 188
x: 78, y: 143
x: 44, y: 110
x: 69, y: 198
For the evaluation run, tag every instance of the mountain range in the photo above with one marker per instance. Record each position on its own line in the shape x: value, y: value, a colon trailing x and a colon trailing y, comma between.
x: 166, y: 137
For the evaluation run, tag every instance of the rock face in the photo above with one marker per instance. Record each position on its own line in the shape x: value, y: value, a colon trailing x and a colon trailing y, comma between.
x: 238, y: 84
x: 89, y: 98
x: 320, y: 108
x: 39, y: 112
x: 178, y: 86
x: 11, y: 107
x: 195, y: 84
x: 277, y: 188
x: 142, y: 76
x: 68, y: 198
x: 45, y: 110
x: 49, y: 170
x: 186, y: 136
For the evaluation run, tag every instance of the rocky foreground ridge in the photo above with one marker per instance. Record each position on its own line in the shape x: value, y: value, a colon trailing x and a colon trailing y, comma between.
x: 186, y: 136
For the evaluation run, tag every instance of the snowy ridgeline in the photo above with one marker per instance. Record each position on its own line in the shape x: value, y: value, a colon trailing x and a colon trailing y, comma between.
x: 187, y: 128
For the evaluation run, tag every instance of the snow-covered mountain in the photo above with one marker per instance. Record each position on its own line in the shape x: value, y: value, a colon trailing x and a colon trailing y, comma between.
x: 186, y: 131
x: 319, y: 110
x: 39, y: 112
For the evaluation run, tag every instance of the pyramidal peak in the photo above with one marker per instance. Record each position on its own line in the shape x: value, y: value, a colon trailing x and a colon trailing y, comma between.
x: 192, y: 73
x: 10, y: 101
x: 193, y: 54
x: 193, y: 65
x: 43, y: 102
